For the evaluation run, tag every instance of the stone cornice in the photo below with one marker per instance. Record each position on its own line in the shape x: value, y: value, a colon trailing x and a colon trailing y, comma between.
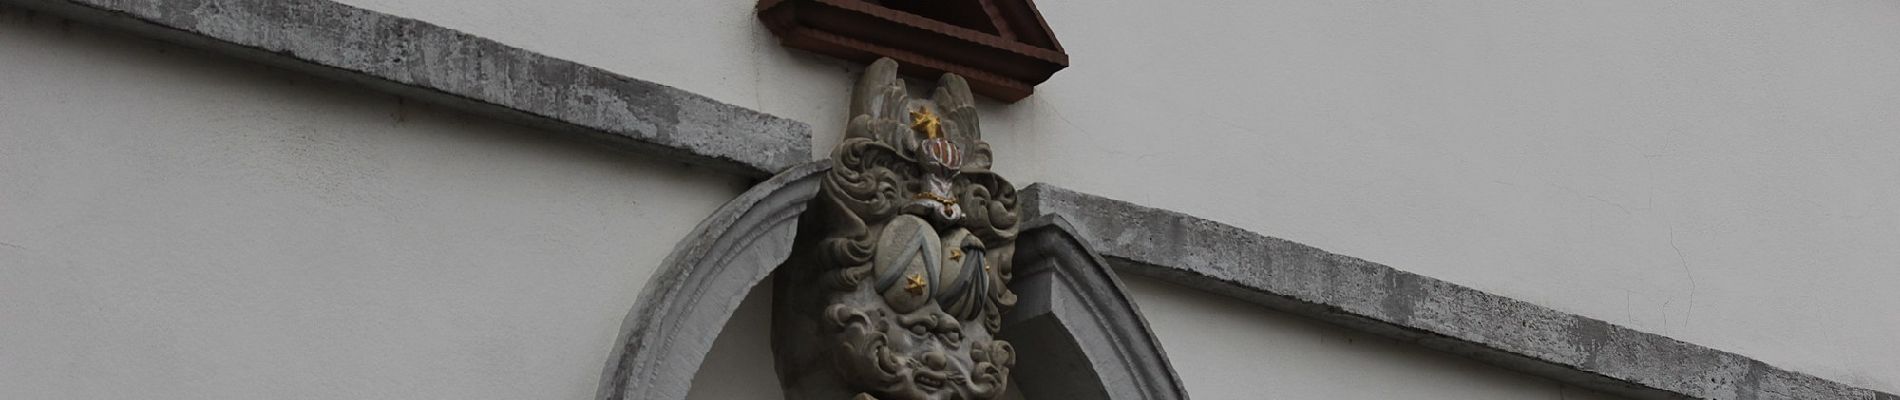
x: 451, y: 68
x: 1375, y: 298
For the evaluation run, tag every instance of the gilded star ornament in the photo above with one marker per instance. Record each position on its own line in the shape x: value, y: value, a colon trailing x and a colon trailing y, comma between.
x: 914, y: 284
x: 924, y: 121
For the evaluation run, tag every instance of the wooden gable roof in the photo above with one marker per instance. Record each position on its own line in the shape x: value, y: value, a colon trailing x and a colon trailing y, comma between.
x: 1002, y: 47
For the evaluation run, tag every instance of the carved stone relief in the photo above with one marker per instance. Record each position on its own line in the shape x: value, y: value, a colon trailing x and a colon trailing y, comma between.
x: 899, y: 280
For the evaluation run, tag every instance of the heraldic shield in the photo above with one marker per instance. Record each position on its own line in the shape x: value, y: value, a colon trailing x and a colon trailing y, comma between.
x: 898, y: 282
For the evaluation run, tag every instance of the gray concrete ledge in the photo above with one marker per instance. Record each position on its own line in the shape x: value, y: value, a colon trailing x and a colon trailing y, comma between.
x: 431, y: 63
x: 1375, y: 298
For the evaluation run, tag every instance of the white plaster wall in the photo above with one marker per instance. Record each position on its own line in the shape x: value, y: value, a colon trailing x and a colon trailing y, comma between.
x: 175, y: 225
x: 1721, y: 172
x: 1717, y: 171
x: 1224, y: 348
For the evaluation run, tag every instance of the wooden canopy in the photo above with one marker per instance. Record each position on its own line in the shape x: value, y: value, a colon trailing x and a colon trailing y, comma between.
x: 1002, y: 47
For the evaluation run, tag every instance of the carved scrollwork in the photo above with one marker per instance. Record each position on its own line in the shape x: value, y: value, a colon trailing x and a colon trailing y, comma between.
x: 914, y: 240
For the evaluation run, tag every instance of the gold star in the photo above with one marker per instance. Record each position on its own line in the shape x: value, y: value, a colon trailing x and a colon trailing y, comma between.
x: 924, y: 121
x: 956, y: 255
x: 914, y: 284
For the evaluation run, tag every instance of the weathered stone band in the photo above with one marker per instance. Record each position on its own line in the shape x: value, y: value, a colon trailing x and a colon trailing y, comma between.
x: 431, y: 63
x: 1366, y: 296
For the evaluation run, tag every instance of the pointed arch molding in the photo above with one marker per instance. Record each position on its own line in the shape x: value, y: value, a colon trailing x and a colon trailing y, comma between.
x: 1075, y: 326
x: 687, y: 302
x: 1074, y: 316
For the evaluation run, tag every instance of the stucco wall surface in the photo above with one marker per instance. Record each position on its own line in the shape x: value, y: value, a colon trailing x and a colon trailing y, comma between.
x: 1715, y: 171
x: 175, y: 225
x: 1225, y: 348
x: 1711, y: 170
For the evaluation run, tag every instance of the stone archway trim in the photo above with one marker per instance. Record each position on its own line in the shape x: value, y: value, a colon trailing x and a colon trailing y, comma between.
x: 1370, y: 297
x: 1095, y: 312
x: 686, y: 304
x: 688, y: 301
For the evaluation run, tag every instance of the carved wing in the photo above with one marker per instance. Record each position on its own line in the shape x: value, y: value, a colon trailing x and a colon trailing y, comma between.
x: 959, y: 109
x: 879, y: 107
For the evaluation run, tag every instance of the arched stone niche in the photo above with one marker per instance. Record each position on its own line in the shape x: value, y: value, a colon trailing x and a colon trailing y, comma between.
x: 1077, y: 333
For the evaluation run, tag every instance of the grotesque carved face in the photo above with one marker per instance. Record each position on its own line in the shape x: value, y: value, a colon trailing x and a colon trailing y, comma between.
x: 919, y: 327
x: 918, y: 234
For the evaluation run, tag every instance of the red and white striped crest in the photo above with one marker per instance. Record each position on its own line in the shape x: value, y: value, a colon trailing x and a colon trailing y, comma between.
x: 942, y: 153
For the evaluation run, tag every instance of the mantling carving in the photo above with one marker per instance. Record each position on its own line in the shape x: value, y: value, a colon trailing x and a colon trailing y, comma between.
x: 899, y: 280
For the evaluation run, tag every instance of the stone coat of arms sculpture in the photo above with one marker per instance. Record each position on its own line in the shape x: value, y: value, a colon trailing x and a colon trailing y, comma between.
x: 899, y: 280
